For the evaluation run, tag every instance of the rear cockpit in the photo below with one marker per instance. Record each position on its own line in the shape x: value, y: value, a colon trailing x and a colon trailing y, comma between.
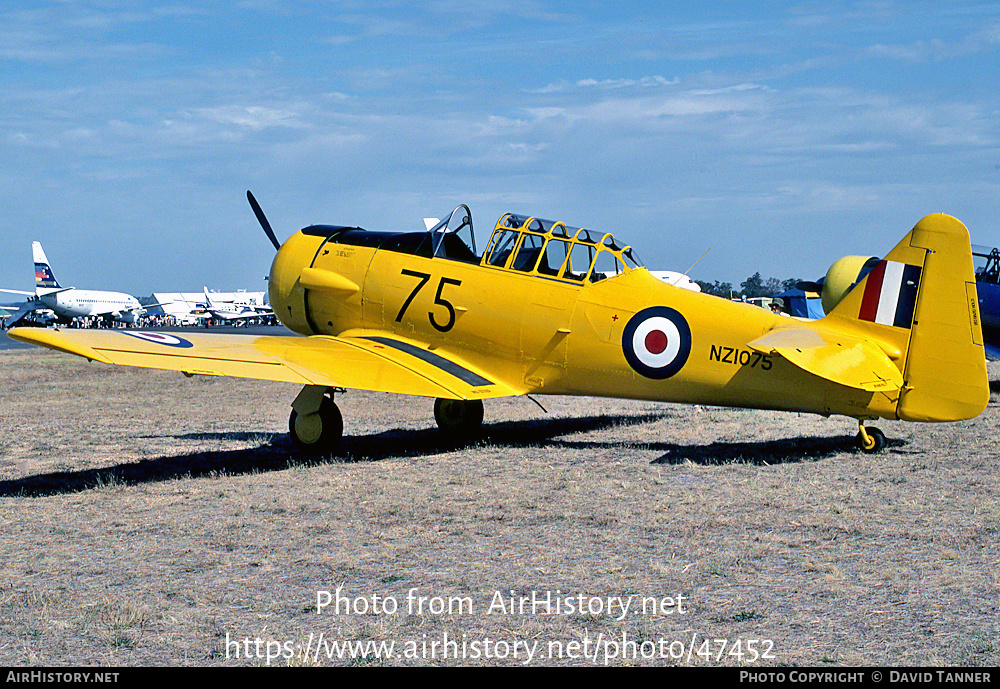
x: 556, y: 251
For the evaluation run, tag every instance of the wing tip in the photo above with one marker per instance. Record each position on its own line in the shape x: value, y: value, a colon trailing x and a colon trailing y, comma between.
x: 44, y: 337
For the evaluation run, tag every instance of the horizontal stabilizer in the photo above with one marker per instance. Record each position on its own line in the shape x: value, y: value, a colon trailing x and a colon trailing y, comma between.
x: 839, y: 358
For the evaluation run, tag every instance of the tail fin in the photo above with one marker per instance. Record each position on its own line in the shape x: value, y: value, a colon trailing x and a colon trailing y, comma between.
x: 43, y: 272
x: 921, y: 303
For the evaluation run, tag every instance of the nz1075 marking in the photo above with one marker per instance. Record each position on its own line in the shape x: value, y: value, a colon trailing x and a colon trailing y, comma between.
x: 740, y: 357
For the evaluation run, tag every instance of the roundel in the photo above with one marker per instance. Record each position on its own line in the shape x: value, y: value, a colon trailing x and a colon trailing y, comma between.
x: 161, y: 338
x: 657, y: 342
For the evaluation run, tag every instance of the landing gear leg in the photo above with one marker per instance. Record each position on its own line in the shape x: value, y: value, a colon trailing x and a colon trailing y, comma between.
x: 459, y: 418
x: 315, y: 423
x: 870, y: 439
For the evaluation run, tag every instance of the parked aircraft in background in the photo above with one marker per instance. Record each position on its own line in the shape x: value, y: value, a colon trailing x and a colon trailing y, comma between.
x: 676, y: 279
x: 68, y: 302
x: 237, y: 310
x: 552, y: 309
x: 988, y: 287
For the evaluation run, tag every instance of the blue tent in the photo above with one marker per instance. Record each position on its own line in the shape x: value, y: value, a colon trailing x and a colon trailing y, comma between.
x: 802, y: 304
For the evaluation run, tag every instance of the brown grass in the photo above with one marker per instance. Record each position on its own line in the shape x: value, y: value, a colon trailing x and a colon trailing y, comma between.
x: 147, y: 516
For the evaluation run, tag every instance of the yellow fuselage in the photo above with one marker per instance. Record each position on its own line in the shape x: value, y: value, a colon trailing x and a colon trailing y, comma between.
x: 547, y: 335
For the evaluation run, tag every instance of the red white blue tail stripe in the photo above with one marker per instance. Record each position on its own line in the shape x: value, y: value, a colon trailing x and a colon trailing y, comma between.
x: 891, y: 294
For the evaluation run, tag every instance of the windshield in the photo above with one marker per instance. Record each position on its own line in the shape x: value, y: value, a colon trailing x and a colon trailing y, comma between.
x: 454, y: 237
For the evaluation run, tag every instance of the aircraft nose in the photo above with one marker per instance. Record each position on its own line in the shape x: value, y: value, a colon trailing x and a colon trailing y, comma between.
x: 286, y: 294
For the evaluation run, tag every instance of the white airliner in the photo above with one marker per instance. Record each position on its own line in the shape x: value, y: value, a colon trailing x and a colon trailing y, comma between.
x: 676, y: 279
x: 68, y: 302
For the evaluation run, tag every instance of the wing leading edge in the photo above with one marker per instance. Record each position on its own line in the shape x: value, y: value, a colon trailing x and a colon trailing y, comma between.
x: 374, y: 360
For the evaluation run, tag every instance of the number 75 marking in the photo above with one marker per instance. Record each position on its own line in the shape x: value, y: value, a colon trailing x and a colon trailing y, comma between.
x: 438, y: 299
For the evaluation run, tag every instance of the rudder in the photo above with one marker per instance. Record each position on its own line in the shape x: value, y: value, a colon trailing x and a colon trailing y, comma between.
x: 945, y: 372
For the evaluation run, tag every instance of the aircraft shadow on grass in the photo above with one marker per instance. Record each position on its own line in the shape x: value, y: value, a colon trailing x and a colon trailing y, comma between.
x: 275, y: 453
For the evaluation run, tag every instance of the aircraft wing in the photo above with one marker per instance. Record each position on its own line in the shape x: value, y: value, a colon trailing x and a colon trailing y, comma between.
x: 837, y: 357
x: 368, y: 360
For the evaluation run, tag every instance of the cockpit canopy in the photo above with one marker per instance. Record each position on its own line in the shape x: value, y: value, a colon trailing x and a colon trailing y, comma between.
x: 521, y: 243
x: 555, y: 250
x: 448, y: 236
x: 987, y: 264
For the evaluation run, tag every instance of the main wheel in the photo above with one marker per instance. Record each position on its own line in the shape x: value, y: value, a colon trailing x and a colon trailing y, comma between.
x: 317, y: 433
x: 459, y: 418
x: 877, y: 440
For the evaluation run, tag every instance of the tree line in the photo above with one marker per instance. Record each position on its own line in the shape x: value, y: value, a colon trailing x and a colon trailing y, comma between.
x: 753, y: 286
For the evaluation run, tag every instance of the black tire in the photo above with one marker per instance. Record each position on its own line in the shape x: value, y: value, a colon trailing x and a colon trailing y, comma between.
x: 459, y: 418
x: 877, y: 441
x: 318, y: 433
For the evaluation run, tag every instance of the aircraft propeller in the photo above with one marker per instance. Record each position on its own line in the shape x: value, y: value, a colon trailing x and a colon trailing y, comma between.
x: 263, y: 221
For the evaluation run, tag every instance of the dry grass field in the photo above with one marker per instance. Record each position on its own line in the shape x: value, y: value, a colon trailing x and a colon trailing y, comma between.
x: 151, y: 519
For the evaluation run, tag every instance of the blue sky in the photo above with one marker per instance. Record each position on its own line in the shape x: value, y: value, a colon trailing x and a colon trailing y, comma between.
x: 781, y: 138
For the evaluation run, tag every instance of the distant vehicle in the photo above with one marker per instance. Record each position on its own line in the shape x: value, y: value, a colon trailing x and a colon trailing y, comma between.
x: 762, y: 302
x: 68, y: 302
x: 553, y: 309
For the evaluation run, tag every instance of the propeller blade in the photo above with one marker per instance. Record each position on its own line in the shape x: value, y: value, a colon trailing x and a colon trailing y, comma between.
x: 263, y: 221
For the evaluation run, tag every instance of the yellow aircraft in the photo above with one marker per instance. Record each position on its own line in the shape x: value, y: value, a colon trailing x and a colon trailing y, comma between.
x: 553, y: 309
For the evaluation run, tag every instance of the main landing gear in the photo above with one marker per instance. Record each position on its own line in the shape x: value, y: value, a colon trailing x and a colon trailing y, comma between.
x: 870, y: 439
x: 315, y: 422
x: 458, y: 418
x: 316, y: 425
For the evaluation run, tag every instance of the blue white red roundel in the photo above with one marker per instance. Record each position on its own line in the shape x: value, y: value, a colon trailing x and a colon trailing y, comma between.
x: 656, y: 342
x: 161, y: 338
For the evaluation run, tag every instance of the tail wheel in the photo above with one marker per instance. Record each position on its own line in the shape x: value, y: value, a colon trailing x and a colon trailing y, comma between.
x: 875, y: 441
x: 320, y: 432
x: 460, y: 418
